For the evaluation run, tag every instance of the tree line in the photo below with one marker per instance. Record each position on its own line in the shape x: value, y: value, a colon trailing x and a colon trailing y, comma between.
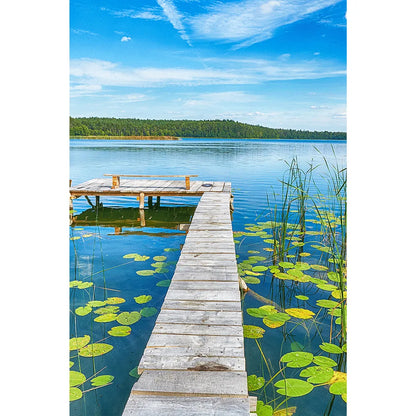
x: 100, y: 126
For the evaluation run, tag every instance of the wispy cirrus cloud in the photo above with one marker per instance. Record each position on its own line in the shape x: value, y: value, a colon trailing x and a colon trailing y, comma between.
x: 247, y: 22
x: 145, y: 14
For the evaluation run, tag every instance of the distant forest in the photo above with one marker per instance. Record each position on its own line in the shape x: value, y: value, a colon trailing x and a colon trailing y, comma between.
x: 98, y: 126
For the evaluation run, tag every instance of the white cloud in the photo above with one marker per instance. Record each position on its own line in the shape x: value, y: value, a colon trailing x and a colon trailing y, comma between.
x: 220, y: 98
x: 175, y: 18
x: 251, y: 21
x: 145, y: 14
x: 125, y: 38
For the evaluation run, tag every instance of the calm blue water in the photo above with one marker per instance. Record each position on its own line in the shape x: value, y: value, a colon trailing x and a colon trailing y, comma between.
x: 254, y: 167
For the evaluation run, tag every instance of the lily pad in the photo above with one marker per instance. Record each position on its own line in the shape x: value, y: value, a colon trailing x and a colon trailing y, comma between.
x: 263, y: 409
x: 130, y: 256
x: 300, y: 265
x: 75, y: 283
x: 141, y: 258
x: 94, y: 350
x: 158, y: 265
x: 324, y: 361
x: 76, y: 378
x: 147, y: 312
x: 251, y: 280
x: 96, y: 303
x: 335, y: 277
x: 318, y: 267
x: 159, y: 258
x: 85, y: 285
x: 286, y: 265
x: 107, y: 309
x: 145, y: 272
x: 74, y: 394
x: 78, y: 342
x: 340, y: 387
x: 317, y: 374
x: 300, y: 313
x: 143, y: 299
x: 293, y: 387
x: 128, y: 318
x: 133, y: 372
x: 120, y: 331
x: 114, y: 301
x: 301, y: 297
x: 253, y: 332
x: 331, y: 348
x: 297, y: 359
x: 288, y: 411
x: 273, y: 321
x: 254, y: 382
x: 83, y: 310
x: 171, y: 249
x: 261, y: 312
x: 326, y: 286
x: 325, y: 303
x: 75, y: 238
x: 296, y: 273
x: 163, y: 283
x: 101, y: 380
x: 338, y: 295
x: 106, y: 317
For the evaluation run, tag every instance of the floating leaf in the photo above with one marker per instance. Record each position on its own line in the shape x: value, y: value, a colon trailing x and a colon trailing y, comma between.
x: 128, y: 318
x: 141, y: 258
x: 335, y: 277
x: 304, y: 254
x: 101, y: 380
x: 71, y: 363
x: 253, y: 252
x: 83, y: 310
x: 163, y: 283
x: 338, y: 295
x: 94, y: 350
x: 106, y: 317
x: 252, y: 280
x: 259, y: 312
x: 300, y: 313
x: 147, y: 312
x: 331, y: 348
x: 297, y: 243
x: 171, y: 249
x: 162, y: 270
x: 326, y: 286
x: 120, y: 331
x: 259, y: 268
x: 297, y: 359
x: 133, y: 372
x: 269, y: 241
x: 325, y: 303
x: 322, y: 248
x: 318, y: 267
x: 75, y: 238
x: 74, y: 393
x: 338, y: 376
x: 292, y: 387
x: 251, y: 273
x: 273, y: 321
x: 85, y: 285
x: 143, y: 299
x: 114, y: 301
x: 263, y: 409
x: 324, y: 361
x: 107, y: 309
x: 96, y: 303
x: 79, y: 342
x: 145, y: 272
x: 257, y: 258
x: 300, y: 265
x: 317, y: 374
x: 301, y: 297
x: 158, y: 265
x: 340, y: 387
x: 254, y: 382
x: 130, y: 256
x: 252, y: 331
x: 283, y: 276
x: 76, y: 378
x: 296, y: 273
x: 75, y: 283
x: 286, y: 264
x: 159, y: 258
x: 288, y: 411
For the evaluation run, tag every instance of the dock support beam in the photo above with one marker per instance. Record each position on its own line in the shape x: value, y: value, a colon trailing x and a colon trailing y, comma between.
x: 150, y: 201
x: 141, y: 199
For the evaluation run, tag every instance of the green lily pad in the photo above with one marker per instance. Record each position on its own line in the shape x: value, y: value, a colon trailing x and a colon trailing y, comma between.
x: 318, y: 267
x: 297, y: 359
x: 252, y: 331
x: 251, y: 280
x: 331, y: 348
x: 158, y: 264
x: 75, y: 238
x: 274, y: 320
x: 322, y: 248
x: 85, y: 285
x: 325, y: 303
x: 76, y: 378
x: 304, y: 254
x: 94, y: 350
x: 293, y: 387
x: 106, y: 317
x: 286, y: 265
x: 78, y: 342
x: 260, y: 312
x: 145, y: 272
x: 253, y: 252
x: 339, y: 387
x: 317, y: 374
x: 296, y: 273
x: 301, y: 297
x: 128, y: 318
x: 300, y: 313
x: 326, y: 286
x: 143, y: 299
x: 171, y: 249
x: 324, y: 361
x: 163, y: 283
x: 162, y: 270
x: 114, y: 301
x: 133, y: 372
x: 147, y: 312
x: 300, y: 265
x: 283, y: 276
x: 130, y: 256
x: 257, y: 258
x: 83, y: 310
x: 101, y: 380
x: 71, y: 363
x: 159, y: 258
x: 74, y: 394
x: 334, y: 276
x: 263, y: 409
x: 254, y: 382
x: 120, y: 331
x: 96, y: 303
x: 75, y: 283
x: 107, y: 309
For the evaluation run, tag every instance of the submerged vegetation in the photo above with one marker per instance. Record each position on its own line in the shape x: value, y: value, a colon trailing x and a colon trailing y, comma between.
x: 122, y: 127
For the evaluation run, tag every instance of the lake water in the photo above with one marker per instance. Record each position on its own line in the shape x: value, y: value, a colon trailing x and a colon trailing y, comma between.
x: 254, y: 167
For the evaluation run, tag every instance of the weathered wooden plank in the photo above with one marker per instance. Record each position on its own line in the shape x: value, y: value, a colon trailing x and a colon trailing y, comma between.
x: 194, y: 363
x: 208, y: 295
x: 203, y: 351
x: 197, y: 329
x: 177, y: 284
x: 207, y: 258
x: 216, y: 383
x: 186, y: 406
x: 198, y: 305
x: 209, y: 248
x: 196, y: 341
x: 207, y: 317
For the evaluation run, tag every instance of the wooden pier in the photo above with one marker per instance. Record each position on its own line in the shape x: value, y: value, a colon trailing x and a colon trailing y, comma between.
x: 194, y: 362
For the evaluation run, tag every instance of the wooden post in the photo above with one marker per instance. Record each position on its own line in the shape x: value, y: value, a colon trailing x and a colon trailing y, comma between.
x: 118, y: 230
x: 232, y: 203
x: 142, y: 218
x: 141, y: 199
x: 187, y: 183
x: 150, y: 201
x: 116, y: 182
x: 97, y: 201
x: 158, y: 201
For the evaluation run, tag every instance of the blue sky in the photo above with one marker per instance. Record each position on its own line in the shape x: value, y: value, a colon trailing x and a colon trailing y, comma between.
x: 277, y: 63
